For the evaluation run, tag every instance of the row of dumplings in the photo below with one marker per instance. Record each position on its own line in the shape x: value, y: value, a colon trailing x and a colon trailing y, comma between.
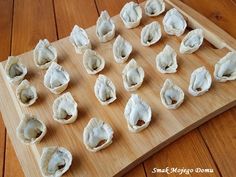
x: 98, y: 134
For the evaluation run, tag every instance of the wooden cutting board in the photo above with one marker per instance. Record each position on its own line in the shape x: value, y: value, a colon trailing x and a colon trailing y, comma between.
x: 127, y: 149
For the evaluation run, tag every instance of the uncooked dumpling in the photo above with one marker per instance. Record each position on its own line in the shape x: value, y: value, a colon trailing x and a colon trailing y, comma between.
x: 133, y: 76
x: 26, y: 93
x: 79, y: 39
x: 172, y: 96
x: 121, y: 50
x: 56, y: 78
x: 166, y: 61
x: 174, y: 23
x: 65, y: 109
x: 131, y: 15
x: 200, y: 81
x: 154, y: 7
x: 44, y: 54
x: 105, y: 28
x: 55, y: 161
x: 93, y: 62
x: 225, y: 68
x: 151, y: 34
x: 30, y: 130
x: 137, y: 113
x: 192, y: 41
x: 97, y: 135
x: 104, y: 90
x: 15, y: 70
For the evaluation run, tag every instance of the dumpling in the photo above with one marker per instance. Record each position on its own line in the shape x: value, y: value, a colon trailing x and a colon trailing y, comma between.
x: 172, y: 96
x: 192, y: 41
x: 56, y: 78
x: 55, y: 161
x: 105, y: 90
x: 225, y: 68
x: 93, y: 62
x: 30, y: 130
x: 200, y: 81
x: 174, y: 23
x: 105, y: 27
x: 166, y: 60
x: 44, y: 54
x: 131, y: 15
x: 137, y: 114
x: 97, y: 135
x: 151, y: 34
x: 26, y: 93
x: 132, y: 75
x: 121, y: 50
x: 79, y: 39
x: 154, y: 7
x: 65, y: 109
x: 15, y: 70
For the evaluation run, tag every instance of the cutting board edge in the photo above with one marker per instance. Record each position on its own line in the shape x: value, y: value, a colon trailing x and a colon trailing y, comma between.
x: 30, y: 151
x: 170, y: 140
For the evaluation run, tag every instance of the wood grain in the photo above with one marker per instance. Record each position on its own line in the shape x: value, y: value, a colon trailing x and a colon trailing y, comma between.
x: 221, y: 13
x: 220, y: 137
x: 69, y: 13
x: 32, y: 21
x: 112, y: 6
x: 137, y: 171
x: 165, y: 123
x: 188, y: 152
x: 5, y: 42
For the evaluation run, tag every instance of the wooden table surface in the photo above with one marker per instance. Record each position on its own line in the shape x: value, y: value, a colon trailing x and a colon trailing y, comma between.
x: 24, y: 22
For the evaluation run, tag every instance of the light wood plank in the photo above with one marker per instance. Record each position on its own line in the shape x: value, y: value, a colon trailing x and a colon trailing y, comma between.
x: 69, y: 13
x: 32, y: 21
x: 112, y: 6
x: 188, y: 152
x: 5, y: 40
x: 12, y: 165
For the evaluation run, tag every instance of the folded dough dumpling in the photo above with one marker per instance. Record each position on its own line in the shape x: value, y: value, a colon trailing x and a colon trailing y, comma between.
x: 225, y: 68
x: 55, y: 161
x: 174, y: 23
x: 30, y: 130
x: 105, y: 27
x: 137, y: 114
x: 56, y: 78
x: 151, y: 34
x: 79, y: 39
x: 65, y: 109
x: 97, y: 135
x: 121, y: 50
x: 154, y: 7
x: 192, y: 41
x: 93, y: 62
x: 26, y: 93
x: 131, y: 14
x: 105, y: 90
x: 44, y: 54
x: 166, y: 60
x: 200, y: 81
x: 132, y: 75
x: 15, y: 70
x: 172, y: 96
